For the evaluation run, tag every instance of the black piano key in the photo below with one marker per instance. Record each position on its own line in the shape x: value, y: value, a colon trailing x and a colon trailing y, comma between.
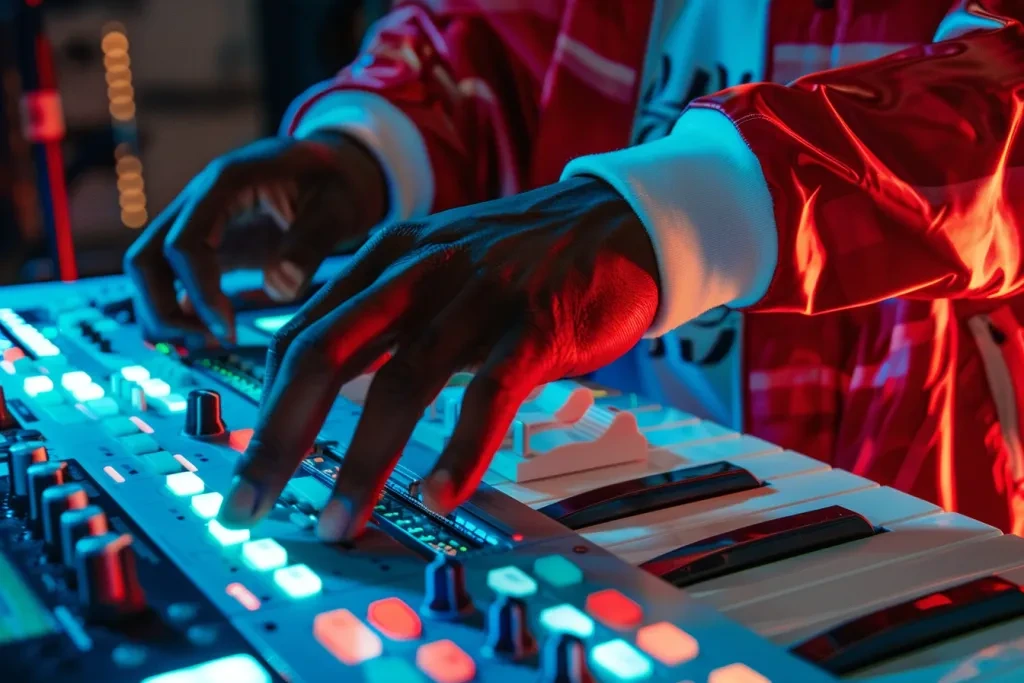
x: 760, y: 544
x: 650, y: 493
x: 914, y: 624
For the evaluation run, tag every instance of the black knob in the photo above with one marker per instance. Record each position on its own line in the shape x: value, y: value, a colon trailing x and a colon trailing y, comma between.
x: 7, y: 420
x: 564, y: 660
x: 446, y: 595
x: 23, y: 456
x: 202, y: 414
x: 42, y: 476
x: 107, y: 583
x: 508, y: 633
x: 56, y: 501
x: 77, y: 524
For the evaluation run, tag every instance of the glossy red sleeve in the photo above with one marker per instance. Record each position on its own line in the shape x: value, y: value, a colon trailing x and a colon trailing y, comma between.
x: 897, y: 177
x: 468, y: 81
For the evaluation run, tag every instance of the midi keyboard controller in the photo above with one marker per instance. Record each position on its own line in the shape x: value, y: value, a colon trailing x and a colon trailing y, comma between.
x: 613, y: 539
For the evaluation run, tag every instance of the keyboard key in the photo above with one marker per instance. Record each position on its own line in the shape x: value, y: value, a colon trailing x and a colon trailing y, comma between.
x: 557, y: 571
x: 224, y: 535
x: 614, y: 609
x: 621, y: 660
x: 103, y: 407
x: 391, y: 670
x: 667, y: 643
x: 37, y: 384
x: 64, y: 414
x: 168, y: 405
x: 445, y: 662
x: 206, y: 505
x: 163, y: 462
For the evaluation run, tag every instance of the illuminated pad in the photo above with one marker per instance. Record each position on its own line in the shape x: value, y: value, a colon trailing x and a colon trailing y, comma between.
x: 614, y: 609
x: 344, y: 636
x: 621, y: 661
x: 236, y: 668
x: 395, y: 619
x: 298, y: 581
x: 511, y: 581
x: 87, y: 392
x: 224, y: 535
x: 135, y: 373
x: 667, y: 643
x: 736, y: 673
x: 445, y: 662
x: 206, y: 505
x: 75, y: 378
x: 185, y: 484
x: 264, y: 554
x: 37, y: 384
x: 567, y: 619
x: 155, y: 388
x: 557, y: 571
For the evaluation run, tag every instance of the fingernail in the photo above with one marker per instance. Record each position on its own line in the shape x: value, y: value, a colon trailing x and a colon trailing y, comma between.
x: 334, y: 521
x: 293, y: 273
x: 438, y: 492
x: 241, y: 502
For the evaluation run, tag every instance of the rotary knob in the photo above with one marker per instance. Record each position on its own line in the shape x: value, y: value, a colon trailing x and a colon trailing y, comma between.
x: 107, y: 583
x: 446, y: 594
x: 56, y: 501
x: 564, y: 660
x: 7, y: 420
x: 202, y: 414
x: 41, y: 477
x: 508, y: 633
x: 23, y: 456
x: 77, y: 524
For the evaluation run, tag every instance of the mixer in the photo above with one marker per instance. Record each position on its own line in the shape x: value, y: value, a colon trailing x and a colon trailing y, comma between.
x: 613, y: 539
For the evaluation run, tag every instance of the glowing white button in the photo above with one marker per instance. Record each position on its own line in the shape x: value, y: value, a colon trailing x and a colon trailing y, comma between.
x: 87, y: 392
x: 74, y: 379
x: 37, y: 384
x: 185, y: 484
x: 135, y: 373
x: 264, y: 554
x: 155, y: 387
x: 567, y: 619
x: 207, y: 505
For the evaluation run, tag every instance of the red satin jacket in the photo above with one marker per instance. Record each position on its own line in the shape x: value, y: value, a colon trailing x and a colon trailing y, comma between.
x: 889, y: 340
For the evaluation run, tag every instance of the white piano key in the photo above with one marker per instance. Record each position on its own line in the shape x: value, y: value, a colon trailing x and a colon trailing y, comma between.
x: 793, y: 618
x: 544, y: 491
x: 643, y: 537
x: 917, y: 535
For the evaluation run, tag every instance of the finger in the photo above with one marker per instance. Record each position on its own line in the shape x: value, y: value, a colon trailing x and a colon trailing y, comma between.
x: 359, y: 274
x: 191, y: 249
x: 398, y: 396
x: 316, y: 365
x: 488, y: 407
x: 156, y: 302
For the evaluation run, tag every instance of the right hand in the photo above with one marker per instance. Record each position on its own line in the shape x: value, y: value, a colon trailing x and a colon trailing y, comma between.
x: 319, y: 191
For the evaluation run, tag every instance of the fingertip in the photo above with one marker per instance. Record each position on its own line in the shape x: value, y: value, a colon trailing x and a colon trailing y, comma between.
x: 335, y: 520
x: 242, y: 504
x: 438, y: 493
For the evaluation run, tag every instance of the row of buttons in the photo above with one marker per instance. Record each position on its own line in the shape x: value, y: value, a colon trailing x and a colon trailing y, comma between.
x: 27, y: 335
x: 262, y: 555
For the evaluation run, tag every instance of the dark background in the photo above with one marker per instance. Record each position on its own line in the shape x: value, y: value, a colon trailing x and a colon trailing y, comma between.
x: 206, y: 76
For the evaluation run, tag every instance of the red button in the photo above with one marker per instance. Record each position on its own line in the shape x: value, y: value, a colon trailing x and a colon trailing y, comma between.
x: 395, y: 619
x: 345, y: 637
x: 614, y: 609
x: 445, y: 662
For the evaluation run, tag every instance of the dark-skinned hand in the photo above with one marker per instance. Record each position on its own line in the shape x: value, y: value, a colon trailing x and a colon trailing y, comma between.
x: 280, y: 204
x: 523, y: 290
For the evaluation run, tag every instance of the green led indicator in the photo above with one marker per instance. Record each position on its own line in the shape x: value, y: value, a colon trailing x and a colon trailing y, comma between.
x: 163, y: 348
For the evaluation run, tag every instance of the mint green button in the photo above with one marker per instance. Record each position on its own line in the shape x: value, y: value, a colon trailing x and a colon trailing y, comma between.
x: 390, y: 670
x: 557, y: 571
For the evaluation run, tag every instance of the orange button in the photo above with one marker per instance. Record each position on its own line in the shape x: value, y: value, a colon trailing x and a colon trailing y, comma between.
x: 395, y: 619
x: 667, y: 643
x: 345, y: 637
x: 445, y: 662
x: 12, y: 354
x: 614, y: 609
x: 736, y: 673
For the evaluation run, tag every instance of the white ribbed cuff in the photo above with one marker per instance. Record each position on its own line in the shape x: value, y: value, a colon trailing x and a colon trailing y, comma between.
x: 703, y: 198
x: 390, y: 136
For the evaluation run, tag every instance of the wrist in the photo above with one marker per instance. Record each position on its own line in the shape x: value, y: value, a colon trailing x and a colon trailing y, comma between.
x: 358, y: 173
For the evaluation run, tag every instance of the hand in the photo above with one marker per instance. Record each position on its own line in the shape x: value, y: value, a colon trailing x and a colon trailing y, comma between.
x: 524, y: 290
x: 319, y: 191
